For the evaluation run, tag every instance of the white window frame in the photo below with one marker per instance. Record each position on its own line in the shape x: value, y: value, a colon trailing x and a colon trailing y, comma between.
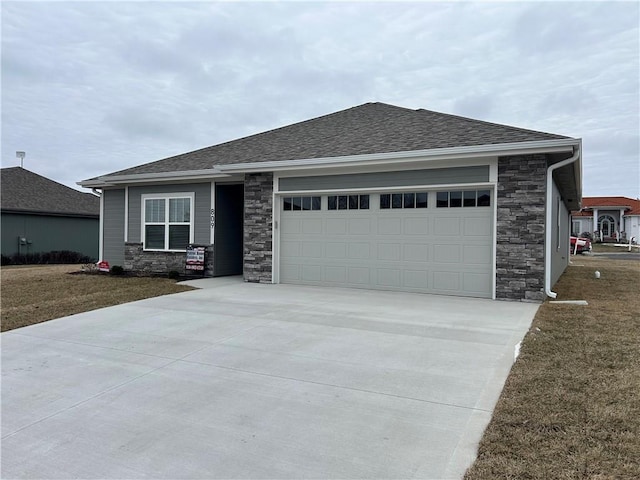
x: 166, y: 197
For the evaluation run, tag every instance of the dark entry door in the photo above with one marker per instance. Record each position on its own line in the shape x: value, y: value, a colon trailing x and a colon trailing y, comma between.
x: 227, y: 249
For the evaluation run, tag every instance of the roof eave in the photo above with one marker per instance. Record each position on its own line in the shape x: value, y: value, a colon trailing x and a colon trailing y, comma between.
x: 116, y: 180
x: 473, y: 151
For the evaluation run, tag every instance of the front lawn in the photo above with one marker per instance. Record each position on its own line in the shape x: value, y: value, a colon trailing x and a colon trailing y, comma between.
x: 571, y: 405
x: 34, y: 294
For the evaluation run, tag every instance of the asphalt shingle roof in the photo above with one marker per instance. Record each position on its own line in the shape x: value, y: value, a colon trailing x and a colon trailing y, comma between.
x: 589, y: 203
x: 365, y: 129
x: 25, y: 191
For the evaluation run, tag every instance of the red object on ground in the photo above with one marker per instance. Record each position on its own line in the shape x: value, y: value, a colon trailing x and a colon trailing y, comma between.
x: 103, y: 266
x: 583, y: 244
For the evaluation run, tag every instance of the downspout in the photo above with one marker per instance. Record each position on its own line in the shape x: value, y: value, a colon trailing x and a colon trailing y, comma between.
x: 549, y: 219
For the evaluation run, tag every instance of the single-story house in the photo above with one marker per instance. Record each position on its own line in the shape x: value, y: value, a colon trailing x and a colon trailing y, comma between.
x: 375, y: 196
x: 40, y: 215
x: 608, y: 219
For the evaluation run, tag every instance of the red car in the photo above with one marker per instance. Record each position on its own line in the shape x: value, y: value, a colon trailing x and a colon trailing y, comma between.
x: 579, y: 245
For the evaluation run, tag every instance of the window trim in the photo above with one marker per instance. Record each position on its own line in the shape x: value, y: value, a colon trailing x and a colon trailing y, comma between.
x: 166, y: 197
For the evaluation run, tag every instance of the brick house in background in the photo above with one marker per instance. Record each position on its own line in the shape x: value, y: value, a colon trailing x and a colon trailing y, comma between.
x: 375, y: 196
x: 608, y: 219
x: 40, y: 215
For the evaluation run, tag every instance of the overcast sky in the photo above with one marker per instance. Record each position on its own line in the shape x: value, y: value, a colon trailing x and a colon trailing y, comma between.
x: 89, y: 88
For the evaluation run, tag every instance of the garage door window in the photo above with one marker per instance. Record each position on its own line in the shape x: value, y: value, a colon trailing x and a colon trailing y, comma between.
x: 301, y: 203
x: 348, y: 202
x: 403, y: 200
x: 467, y: 198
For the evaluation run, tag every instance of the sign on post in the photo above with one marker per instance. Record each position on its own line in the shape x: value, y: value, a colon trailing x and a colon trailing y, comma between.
x: 195, y: 259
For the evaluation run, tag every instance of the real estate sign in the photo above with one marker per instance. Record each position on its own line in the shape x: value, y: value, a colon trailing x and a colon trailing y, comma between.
x: 195, y: 259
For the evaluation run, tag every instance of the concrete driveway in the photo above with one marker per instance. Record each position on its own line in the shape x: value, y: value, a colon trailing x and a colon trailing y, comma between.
x: 258, y: 381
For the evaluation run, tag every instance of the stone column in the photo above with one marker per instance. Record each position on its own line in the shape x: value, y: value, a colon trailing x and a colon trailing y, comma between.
x: 258, y: 227
x: 521, y: 227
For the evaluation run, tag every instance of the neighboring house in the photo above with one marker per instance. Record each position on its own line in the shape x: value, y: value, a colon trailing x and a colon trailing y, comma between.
x: 375, y: 196
x: 40, y: 215
x: 608, y: 218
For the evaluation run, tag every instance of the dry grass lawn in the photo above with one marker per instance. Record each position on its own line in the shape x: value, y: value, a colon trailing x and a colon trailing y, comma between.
x: 571, y: 405
x: 36, y: 294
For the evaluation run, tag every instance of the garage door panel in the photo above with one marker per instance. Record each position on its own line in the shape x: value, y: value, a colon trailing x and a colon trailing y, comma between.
x: 359, y: 226
x: 358, y: 275
x: 446, y: 254
x: 389, y: 225
x: 312, y: 250
x: 431, y: 250
x: 312, y: 226
x: 389, y: 277
x: 415, y: 252
x: 290, y: 249
x: 292, y: 225
x: 477, y: 254
x: 359, y: 250
x: 476, y: 283
x: 447, y: 226
x: 477, y: 227
x: 335, y: 274
x: 446, y: 281
x: 415, y: 225
x: 416, y: 279
x: 336, y: 250
x: 336, y: 226
x: 290, y: 273
x: 389, y: 251
x: 312, y: 273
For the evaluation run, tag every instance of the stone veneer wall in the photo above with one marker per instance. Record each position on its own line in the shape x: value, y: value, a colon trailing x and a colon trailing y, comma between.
x: 138, y: 261
x: 258, y: 219
x: 520, y: 227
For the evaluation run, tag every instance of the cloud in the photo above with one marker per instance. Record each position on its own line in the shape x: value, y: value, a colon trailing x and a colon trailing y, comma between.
x: 93, y: 87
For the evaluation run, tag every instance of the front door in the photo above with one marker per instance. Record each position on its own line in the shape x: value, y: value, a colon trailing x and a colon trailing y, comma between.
x: 607, y: 225
x: 227, y: 247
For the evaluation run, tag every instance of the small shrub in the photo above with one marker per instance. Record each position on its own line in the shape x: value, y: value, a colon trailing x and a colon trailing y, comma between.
x: 174, y: 274
x: 48, y: 258
x: 117, y: 270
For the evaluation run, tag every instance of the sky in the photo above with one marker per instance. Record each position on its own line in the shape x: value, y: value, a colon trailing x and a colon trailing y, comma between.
x: 89, y: 88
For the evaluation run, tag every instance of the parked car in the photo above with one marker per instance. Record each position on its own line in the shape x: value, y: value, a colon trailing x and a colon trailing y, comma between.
x: 580, y: 245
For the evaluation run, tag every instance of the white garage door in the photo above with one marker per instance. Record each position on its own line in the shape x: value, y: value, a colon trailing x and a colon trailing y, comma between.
x: 429, y: 242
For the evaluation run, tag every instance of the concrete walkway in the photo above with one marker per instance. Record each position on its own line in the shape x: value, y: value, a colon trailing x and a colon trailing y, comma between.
x: 258, y: 381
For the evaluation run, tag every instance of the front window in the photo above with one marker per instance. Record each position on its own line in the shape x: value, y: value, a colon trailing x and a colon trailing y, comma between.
x: 168, y: 222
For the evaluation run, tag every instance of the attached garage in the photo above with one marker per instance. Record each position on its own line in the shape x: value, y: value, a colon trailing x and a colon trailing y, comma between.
x: 437, y: 241
x: 375, y: 196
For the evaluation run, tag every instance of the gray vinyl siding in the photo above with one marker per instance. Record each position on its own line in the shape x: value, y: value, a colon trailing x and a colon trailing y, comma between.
x: 47, y: 233
x: 434, y: 176
x: 113, y: 227
x: 202, y: 209
x: 559, y: 237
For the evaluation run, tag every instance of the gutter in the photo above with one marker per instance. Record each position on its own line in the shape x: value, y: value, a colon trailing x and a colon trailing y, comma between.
x: 549, y: 218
